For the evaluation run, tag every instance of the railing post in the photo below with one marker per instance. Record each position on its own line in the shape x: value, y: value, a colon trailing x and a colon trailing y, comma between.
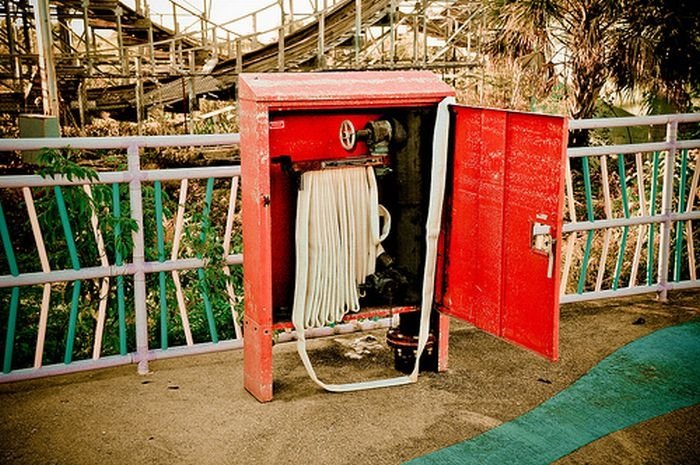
x: 120, y: 43
x: 321, y: 58
x: 47, y: 62
x: 392, y: 33
x: 280, y: 39
x: 358, y: 26
x: 424, y: 8
x: 239, y: 57
x: 666, y: 209
x: 138, y: 259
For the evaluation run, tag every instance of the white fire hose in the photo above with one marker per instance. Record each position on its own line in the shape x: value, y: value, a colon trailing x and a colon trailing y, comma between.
x: 338, y: 239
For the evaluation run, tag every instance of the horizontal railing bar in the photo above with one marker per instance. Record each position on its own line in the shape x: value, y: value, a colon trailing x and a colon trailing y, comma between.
x: 187, y: 264
x: 94, y: 143
x: 621, y: 292
x: 632, y: 221
x: 653, y: 120
x: 687, y: 144
x: 111, y: 177
x: 97, y: 272
x: 627, y: 291
x: 196, y: 349
x: 576, y: 152
x: 34, y: 180
x: 63, y: 369
x: 680, y: 285
x: 177, y: 174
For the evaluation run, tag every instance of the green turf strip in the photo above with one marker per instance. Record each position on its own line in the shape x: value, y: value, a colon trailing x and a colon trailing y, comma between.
x: 649, y: 377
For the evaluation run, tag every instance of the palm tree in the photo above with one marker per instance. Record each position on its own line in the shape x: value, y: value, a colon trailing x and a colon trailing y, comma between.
x: 652, y: 46
x: 657, y: 50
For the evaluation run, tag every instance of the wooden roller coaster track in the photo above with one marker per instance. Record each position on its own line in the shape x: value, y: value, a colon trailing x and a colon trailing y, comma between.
x: 151, y: 64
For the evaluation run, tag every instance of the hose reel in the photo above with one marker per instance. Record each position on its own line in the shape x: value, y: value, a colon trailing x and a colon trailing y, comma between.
x: 338, y: 239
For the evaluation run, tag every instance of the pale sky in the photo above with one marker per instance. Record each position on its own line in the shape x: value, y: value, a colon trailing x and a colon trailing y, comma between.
x: 222, y: 11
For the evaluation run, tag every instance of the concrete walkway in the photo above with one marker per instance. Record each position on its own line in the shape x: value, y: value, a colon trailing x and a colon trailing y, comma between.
x: 194, y: 410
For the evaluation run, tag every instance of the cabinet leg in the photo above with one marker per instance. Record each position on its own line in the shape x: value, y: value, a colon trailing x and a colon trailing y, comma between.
x: 257, y: 360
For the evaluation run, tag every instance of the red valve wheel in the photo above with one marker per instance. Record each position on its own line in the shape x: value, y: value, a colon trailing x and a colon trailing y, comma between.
x: 348, y: 135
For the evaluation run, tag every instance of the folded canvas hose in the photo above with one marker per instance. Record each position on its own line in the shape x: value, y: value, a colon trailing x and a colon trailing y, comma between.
x: 337, y: 243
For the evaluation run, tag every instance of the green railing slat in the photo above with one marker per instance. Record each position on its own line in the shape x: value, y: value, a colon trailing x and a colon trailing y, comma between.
x: 161, y: 258
x: 590, y: 216
x: 7, y: 244
x: 584, y: 265
x: 587, y: 189
x: 73, y: 251
x: 14, y: 299
x: 118, y: 260
x: 680, y: 223
x: 10, y: 334
x: 200, y: 271
x: 70, y: 242
x: 72, y: 321
x: 652, y: 211
x: 626, y: 209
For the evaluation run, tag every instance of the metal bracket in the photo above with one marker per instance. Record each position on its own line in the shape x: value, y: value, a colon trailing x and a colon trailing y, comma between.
x: 542, y: 242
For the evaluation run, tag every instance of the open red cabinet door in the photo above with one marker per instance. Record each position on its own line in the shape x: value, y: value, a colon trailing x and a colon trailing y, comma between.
x: 502, y: 225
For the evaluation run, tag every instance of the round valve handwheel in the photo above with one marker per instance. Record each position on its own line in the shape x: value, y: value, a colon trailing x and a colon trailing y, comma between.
x: 348, y: 135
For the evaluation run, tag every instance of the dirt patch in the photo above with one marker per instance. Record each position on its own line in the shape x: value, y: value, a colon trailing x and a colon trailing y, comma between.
x: 194, y: 410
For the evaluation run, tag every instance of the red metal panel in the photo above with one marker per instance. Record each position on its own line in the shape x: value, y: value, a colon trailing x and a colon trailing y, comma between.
x: 507, y: 174
x: 314, y: 135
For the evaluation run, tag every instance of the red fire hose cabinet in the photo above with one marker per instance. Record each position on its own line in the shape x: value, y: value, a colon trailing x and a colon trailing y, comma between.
x: 501, y: 219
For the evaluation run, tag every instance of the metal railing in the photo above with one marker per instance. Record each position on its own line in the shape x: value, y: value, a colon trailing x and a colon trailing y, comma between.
x: 137, y: 266
x: 620, y: 209
x: 623, y: 208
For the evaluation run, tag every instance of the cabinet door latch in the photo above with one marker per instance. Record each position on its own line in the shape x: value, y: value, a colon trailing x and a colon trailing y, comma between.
x: 543, y: 243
